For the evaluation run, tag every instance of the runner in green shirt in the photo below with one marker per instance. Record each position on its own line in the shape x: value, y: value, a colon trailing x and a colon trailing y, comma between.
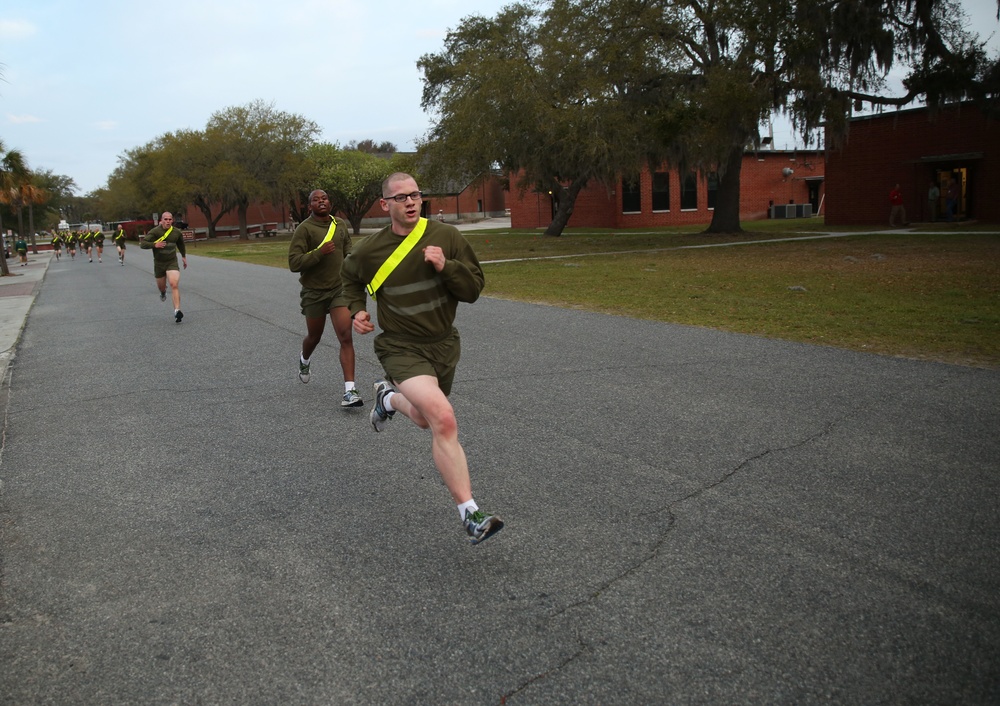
x: 119, y: 238
x: 317, y: 250
x: 99, y: 238
x: 419, y: 345
x: 166, y: 241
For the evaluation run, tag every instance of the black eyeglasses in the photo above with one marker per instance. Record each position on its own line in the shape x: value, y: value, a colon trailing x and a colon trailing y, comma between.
x: 401, y: 198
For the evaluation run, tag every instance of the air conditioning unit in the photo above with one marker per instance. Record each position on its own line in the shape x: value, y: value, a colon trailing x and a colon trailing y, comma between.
x: 792, y: 210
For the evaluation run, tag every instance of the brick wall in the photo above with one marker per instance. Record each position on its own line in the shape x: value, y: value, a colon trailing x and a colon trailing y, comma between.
x: 486, y: 199
x: 911, y: 147
x: 761, y: 184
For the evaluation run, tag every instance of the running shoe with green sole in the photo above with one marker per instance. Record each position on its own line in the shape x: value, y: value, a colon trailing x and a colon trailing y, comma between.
x: 481, y: 526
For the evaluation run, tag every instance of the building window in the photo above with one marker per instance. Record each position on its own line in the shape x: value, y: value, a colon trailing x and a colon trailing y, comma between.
x: 631, y: 196
x: 689, y: 192
x: 713, y: 189
x: 661, y: 191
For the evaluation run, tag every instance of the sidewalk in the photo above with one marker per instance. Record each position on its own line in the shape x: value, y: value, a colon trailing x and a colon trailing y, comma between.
x: 17, y: 294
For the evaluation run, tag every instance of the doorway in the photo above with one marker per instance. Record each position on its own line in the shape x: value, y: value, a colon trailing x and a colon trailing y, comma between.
x: 813, y: 186
x: 944, y: 177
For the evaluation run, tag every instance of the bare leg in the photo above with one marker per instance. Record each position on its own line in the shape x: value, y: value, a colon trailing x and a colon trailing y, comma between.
x: 314, y: 333
x: 174, y: 276
x: 341, y: 318
x: 422, y: 401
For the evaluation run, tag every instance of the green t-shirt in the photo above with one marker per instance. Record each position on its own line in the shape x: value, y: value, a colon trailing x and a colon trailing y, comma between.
x: 174, y: 241
x: 415, y: 301
x: 318, y: 271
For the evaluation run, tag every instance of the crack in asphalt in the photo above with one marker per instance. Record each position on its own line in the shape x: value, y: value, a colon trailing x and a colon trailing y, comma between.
x: 654, y: 551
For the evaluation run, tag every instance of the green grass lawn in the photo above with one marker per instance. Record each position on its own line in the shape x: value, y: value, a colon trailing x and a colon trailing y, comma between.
x: 921, y: 295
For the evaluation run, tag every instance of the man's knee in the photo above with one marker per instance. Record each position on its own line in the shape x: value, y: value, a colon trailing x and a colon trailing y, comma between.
x: 440, y: 415
x: 345, y: 337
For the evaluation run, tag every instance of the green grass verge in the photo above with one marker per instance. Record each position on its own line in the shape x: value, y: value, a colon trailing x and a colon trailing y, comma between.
x: 923, y: 295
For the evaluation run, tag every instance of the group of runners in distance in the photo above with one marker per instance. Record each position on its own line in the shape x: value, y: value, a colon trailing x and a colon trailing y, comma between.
x: 416, y: 271
x: 87, y: 241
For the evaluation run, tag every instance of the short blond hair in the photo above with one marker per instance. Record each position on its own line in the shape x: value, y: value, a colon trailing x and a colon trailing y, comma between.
x: 392, y: 179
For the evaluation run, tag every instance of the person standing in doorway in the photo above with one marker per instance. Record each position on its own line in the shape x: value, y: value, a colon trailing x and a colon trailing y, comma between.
x: 317, y: 251
x: 933, y: 199
x: 418, y: 270
x: 166, y: 241
x: 951, y: 200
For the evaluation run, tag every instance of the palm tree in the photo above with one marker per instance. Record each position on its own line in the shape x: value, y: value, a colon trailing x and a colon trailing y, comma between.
x: 13, y: 173
x: 29, y: 195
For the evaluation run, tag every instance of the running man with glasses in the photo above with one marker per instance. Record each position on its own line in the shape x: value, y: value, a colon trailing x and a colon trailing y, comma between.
x: 166, y: 241
x: 419, y: 346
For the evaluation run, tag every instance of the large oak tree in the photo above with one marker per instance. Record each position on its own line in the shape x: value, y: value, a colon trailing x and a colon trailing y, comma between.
x: 538, y: 94
x: 568, y: 91
x: 263, y: 154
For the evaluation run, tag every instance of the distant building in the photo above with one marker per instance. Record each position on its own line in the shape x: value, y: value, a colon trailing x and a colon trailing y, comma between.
x: 913, y: 148
x: 475, y: 199
x: 668, y: 197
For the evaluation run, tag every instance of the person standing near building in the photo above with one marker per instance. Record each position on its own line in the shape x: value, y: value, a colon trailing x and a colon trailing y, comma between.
x: 951, y: 200
x: 166, y: 241
x: 417, y: 271
x: 21, y: 248
x: 119, y: 240
x: 317, y: 251
x: 933, y: 199
x: 896, y: 208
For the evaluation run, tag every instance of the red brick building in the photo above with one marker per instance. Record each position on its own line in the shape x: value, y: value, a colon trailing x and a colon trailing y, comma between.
x: 913, y: 148
x: 476, y: 199
x: 668, y: 197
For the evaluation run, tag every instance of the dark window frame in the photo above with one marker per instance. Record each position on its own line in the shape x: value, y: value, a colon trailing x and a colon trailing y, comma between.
x: 712, y: 190
x: 689, y: 191
x: 631, y: 196
x: 661, y: 192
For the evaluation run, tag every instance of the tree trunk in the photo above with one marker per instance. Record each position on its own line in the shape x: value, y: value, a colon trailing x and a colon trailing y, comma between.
x: 31, y: 229
x: 210, y: 220
x: 565, y: 198
x: 299, y: 212
x: 4, y: 270
x: 241, y: 212
x: 207, y: 213
x: 726, y: 217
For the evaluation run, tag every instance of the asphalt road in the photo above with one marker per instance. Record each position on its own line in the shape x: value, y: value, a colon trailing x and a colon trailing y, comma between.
x: 693, y: 517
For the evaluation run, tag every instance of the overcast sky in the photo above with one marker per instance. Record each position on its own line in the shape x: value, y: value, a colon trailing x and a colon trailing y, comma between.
x: 85, y: 80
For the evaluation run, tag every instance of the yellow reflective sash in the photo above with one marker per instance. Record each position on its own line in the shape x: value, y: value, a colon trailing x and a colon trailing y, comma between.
x: 329, y: 234
x: 397, y: 256
x: 164, y: 235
